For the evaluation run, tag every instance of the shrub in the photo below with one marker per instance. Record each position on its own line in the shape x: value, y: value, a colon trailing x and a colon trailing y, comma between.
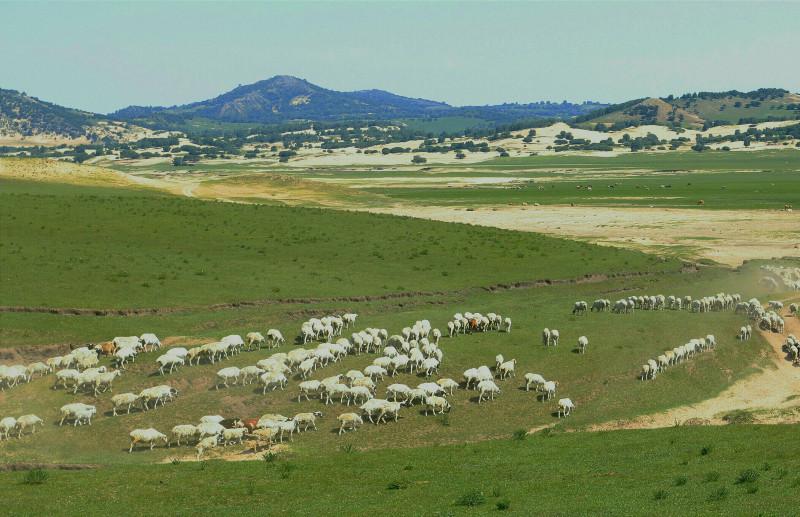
x: 739, y: 417
x: 719, y: 494
x: 397, y: 485
x: 471, y: 498
x: 269, y: 457
x: 519, y: 434
x: 752, y: 489
x: 705, y: 450
x: 747, y: 476
x: 348, y: 449
x: 681, y: 480
x: 659, y: 495
x: 504, y: 504
x: 35, y: 477
x: 711, y: 477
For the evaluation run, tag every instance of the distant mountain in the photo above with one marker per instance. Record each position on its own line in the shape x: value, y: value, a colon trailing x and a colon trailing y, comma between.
x: 698, y: 110
x: 286, y: 98
x: 28, y: 116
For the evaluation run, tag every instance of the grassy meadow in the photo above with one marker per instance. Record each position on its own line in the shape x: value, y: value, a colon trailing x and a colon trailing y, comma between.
x: 191, y: 261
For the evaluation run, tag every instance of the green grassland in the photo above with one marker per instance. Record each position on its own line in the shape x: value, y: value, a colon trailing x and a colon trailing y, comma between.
x: 93, y: 250
x: 66, y: 246
x: 734, y: 470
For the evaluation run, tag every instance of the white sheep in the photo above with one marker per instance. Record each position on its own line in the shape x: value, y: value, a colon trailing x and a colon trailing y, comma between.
x: 226, y: 374
x: 105, y: 380
x: 549, y: 388
x: 583, y: 343
x: 123, y: 399
x: 487, y: 387
x: 374, y: 371
x: 275, y: 337
x: 273, y: 380
x: 430, y: 365
x: 169, y: 360
x: 435, y: 403
x: 254, y: 339
x: 209, y: 429
x: 184, y: 432
x: 448, y: 385
x: 67, y: 376
x: 349, y: 421
x: 250, y: 374
x: 307, y: 420
x: 7, y: 425
x: 565, y: 406
x: 307, y: 388
x: 26, y: 421
x: 229, y: 435
x: 554, y: 335
x: 147, y: 436
x: 78, y: 412
x: 38, y: 368
x: 535, y: 380
x: 546, y: 337
x: 150, y: 341
x: 205, y: 444
x: 507, y: 369
x: 507, y: 323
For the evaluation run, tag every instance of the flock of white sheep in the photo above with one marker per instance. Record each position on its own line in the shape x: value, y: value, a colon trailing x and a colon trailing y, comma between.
x: 414, y: 349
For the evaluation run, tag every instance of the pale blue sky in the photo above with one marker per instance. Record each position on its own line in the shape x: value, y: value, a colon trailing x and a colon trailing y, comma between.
x: 104, y: 56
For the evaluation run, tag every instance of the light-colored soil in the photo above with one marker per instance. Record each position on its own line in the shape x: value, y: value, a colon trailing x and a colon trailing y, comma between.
x: 725, y: 236
x: 772, y: 395
x: 40, y: 169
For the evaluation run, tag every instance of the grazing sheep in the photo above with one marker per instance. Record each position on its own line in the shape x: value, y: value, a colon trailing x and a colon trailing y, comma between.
x: 498, y: 360
x: 205, y: 444
x: 565, y: 406
x: 227, y: 374
x: 38, y: 368
x: 507, y: 323
x: 105, y: 380
x: 123, y: 399
x: 254, y: 339
x: 507, y: 369
x: 171, y: 360
x: 184, y: 432
x: 647, y: 372
x: 209, y: 429
x: 307, y: 420
x: 349, y: 421
x: 250, y: 374
x: 26, y: 421
x: 67, y: 376
x: 549, y: 388
x: 307, y: 388
x: 229, y: 435
x: 147, y: 436
x: 395, y: 390
x: 149, y: 341
x: 157, y: 394
x: 273, y: 380
x: 487, y: 387
x: 7, y: 425
x: 275, y: 338
x: 449, y: 385
x: 554, y: 335
x: 430, y: 365
x: 580, y: 307
x: 374, y: 371
x: 78, y: 412
x: 436, y: 405
x: 533, y: 379
x: 358, y: 393
x: 546, y: 337
x: 583, y: 343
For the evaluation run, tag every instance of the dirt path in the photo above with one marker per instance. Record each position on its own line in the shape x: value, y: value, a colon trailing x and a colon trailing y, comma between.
x: 772, y: 394
x: 725, y: 236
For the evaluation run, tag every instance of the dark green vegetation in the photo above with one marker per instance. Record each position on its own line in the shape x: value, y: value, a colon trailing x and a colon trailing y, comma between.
x: 20, y: 113
x: 698, y: 110
x: 155, y: 251
x: 619, y: 473
x: 286, y: 98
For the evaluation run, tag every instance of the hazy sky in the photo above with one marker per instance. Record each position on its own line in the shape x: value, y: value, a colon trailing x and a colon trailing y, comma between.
x: 104, y: 56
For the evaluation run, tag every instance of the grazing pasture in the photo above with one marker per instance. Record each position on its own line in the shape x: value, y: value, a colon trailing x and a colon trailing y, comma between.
x: 192, y: 271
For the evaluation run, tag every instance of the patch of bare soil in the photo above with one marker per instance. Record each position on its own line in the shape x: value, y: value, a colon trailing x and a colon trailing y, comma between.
x: 725, y: 236
x: 37, y: 169
x: 772, y: 396
x: 244, y: 452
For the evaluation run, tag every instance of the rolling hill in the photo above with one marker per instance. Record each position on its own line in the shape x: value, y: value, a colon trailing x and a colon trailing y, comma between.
x: 26, y: 120
x: 699, y: 110
x: 286, y: 98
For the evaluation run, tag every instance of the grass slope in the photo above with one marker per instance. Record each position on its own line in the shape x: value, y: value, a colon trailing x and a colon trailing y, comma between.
x: 61, y: 247
x: 703, y: 471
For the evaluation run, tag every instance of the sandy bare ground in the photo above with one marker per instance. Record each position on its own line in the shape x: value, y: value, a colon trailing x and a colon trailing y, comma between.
x: 773, y: 395
x: 725, y: 236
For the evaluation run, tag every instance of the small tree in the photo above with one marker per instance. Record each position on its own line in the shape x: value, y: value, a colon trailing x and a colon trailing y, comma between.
x: 418, y: 159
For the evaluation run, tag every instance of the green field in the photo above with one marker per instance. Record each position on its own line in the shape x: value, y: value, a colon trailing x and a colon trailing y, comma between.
x: 190, y: 261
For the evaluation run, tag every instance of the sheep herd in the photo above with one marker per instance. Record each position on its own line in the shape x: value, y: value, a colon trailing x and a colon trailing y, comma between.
x: 415, y: 349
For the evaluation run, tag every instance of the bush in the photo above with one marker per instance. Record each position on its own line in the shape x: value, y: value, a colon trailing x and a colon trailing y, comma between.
x: 471, y: 498
x: 739, y: 417
x: 504, y: 504
x: 35, y: 477
x: 418, y: 159
x: 659, y: 495
x: 519, y: 434
x: 718, y: 494
x: 681, y: 480
x: 711, y: 477
x: 752, y: 489
x: 397, y: 485
x: 747, y: 476
x: 705, y: 450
